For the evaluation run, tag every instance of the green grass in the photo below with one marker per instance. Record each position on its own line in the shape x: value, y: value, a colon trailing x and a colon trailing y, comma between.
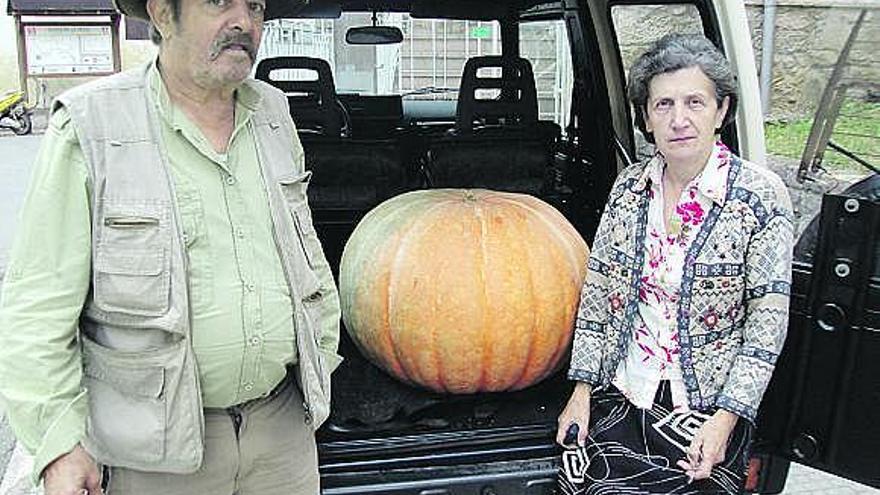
x: 789, y: 138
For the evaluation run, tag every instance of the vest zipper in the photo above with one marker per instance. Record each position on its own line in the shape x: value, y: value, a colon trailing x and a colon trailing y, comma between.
x: 130, y: 222
x: 279, y: 245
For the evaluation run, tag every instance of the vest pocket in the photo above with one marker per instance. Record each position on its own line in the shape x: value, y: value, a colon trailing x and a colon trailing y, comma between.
x: 145, y: 408
x: 295, y: 188
x: 127, y: 411
x: 134, y: 281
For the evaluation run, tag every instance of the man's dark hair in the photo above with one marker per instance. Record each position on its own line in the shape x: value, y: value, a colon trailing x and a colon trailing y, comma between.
x: 675, y: 52
x: 155, y: 35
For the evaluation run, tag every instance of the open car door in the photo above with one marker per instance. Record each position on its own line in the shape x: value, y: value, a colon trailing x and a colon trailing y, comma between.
x: 822, y: 406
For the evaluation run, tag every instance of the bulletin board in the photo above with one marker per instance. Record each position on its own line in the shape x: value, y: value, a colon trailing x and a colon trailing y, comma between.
x: 69, y: 49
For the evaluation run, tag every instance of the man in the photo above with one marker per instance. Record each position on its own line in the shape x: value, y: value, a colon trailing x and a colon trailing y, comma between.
x: 169, y: 321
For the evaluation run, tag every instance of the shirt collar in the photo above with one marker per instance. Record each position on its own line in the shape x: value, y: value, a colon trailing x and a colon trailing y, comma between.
x: 711, y: 182
x: 713, y: 179
x: 247, y: 99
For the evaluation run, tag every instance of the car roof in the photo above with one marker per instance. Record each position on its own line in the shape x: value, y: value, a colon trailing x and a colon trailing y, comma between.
x: 439, y: 9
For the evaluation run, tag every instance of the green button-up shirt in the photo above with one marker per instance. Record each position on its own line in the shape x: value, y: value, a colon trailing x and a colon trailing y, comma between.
x: 242, y: 313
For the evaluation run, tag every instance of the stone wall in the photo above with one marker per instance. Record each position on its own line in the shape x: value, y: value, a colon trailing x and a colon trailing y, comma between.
x: 809, y: 38
x: 637, y: 26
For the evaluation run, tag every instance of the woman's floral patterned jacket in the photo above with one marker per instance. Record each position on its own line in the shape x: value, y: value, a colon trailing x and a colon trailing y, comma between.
x: 733, y: 310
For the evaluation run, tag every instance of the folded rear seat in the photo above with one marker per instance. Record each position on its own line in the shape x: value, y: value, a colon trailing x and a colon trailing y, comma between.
x: 497, y: 143
x: 349, y: 176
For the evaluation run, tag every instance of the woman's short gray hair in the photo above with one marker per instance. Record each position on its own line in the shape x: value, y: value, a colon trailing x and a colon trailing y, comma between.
x: 675, y: 52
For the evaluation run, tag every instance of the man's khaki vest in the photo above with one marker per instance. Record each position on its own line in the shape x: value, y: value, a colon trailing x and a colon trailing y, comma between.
x: 138, y: 363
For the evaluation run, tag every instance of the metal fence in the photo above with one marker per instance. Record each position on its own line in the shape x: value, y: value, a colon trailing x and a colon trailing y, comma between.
x: 304, y: 38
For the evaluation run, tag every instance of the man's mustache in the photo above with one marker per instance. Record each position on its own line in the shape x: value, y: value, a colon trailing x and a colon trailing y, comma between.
x: 234, y: 38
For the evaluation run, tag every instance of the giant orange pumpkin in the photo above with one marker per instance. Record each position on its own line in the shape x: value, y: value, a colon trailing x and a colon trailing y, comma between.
x: 463, y: 291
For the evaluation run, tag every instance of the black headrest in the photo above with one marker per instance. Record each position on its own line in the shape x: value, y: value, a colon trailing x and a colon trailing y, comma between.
x: 312, y: 102
x: 518, y: 102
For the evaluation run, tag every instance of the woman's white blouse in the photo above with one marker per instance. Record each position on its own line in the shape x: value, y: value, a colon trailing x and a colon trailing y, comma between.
x: 653, y: 353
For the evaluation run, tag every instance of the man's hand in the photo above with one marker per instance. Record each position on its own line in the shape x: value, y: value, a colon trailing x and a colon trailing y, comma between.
x: 74, y: 473
x: 709, y: 444
x: 577, y: 411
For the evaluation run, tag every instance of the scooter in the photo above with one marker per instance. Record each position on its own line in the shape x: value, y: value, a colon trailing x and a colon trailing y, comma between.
x: 14, y: 114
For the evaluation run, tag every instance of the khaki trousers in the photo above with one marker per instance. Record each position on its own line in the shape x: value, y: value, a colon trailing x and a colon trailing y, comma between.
x: 272, y: 452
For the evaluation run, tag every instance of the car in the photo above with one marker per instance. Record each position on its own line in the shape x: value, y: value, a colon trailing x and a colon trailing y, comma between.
x: 386, y: 98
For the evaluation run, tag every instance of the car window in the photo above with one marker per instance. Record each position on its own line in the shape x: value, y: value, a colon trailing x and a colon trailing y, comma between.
x: 546, y: 45
x: 427, y: 65
x: 298, y: 37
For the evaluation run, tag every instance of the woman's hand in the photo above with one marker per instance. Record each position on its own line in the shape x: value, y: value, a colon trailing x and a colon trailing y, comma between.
x: 709, y: 444
x: 577, y: 411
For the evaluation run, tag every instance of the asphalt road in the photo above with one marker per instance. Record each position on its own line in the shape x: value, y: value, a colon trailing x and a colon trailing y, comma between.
x: 17, y: 154
x: 16, y: 158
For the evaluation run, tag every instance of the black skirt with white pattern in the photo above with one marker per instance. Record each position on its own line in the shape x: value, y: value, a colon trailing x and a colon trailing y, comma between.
x: 635, y: 451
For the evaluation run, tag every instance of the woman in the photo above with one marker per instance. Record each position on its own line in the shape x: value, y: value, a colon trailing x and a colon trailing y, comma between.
x: 684, y: 309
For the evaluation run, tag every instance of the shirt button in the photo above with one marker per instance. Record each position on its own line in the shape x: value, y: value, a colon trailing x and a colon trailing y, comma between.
x: 230, y: 180
x: 239, y: 232
x: 248, y: 386
x: 250, y: 287
x: 255, y: 341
